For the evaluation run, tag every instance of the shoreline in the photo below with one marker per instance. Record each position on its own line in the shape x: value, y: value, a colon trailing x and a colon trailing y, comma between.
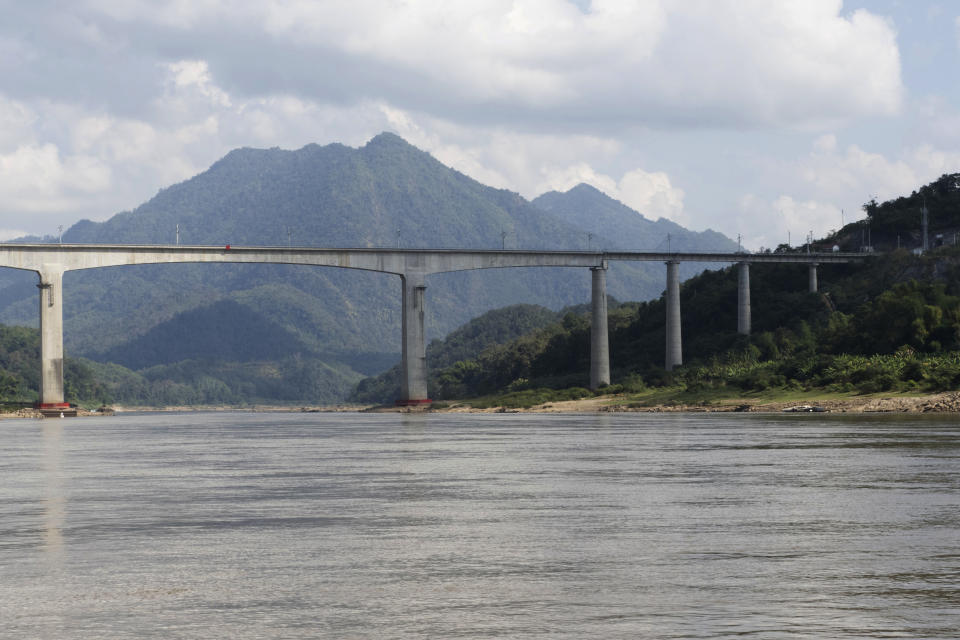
x: 946, y: 402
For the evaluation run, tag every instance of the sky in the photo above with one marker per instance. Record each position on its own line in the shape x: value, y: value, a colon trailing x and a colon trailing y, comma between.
x: 765, y: 119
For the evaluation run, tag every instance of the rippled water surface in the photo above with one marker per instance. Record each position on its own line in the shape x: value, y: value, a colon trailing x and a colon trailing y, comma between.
x: 480, y: 526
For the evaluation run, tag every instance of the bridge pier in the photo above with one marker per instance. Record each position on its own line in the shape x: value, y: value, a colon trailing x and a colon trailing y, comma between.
x: 413, y: 367
x: 674, y: 355
x: 743, y: 299
x: 599, y: 338
x: 812, y: 277
x: 51, y: 338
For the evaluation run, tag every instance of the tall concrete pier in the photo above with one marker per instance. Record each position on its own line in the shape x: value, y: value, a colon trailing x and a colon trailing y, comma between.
x: 599, y: 339
x: 51, y: 337
x: 812, y: 277
x: 743, y: 299
x: 674, y: 356
x: 413, y: 363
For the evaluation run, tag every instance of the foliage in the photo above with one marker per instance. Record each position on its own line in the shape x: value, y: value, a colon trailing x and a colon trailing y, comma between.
x: 447, y: 359
x: 20, y: 371
x: 292, y: 380
x: 894, y: 335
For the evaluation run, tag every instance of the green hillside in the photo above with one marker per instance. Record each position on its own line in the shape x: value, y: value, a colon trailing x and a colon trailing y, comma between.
x: 20, y: 371
x: 315, y: 196
x: 888, y: 323
x: 495, y: 327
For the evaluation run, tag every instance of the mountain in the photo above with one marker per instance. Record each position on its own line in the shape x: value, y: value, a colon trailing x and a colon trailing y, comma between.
x: 316, y: 196
x: 590, y: 209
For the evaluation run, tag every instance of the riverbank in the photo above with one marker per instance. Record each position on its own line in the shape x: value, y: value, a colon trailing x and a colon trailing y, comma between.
x: 657, y: 402
x: 652, y: 402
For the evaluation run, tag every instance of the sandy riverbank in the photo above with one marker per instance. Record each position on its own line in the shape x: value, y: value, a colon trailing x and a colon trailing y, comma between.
x: 933, y: 403
x: 948, y: 402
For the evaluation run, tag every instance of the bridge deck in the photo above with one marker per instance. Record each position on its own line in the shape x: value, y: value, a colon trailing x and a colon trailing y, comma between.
x: 68, y: 257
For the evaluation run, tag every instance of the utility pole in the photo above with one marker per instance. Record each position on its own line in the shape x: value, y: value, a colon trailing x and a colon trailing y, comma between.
x: 398, y: 237
x: 178, y: 234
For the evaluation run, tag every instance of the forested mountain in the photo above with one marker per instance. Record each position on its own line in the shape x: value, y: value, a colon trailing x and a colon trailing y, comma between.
x: 891, y: 322
x: 586, y: 207
x: 383, y: 194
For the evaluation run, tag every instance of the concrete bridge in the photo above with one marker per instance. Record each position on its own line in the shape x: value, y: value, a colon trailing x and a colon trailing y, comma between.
x: 51, y: 261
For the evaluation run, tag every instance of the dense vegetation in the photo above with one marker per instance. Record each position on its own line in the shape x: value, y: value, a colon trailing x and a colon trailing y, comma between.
x: 495, y: 327
x: 20, y: 371
x: 897, y: 223
x: 891, y: 323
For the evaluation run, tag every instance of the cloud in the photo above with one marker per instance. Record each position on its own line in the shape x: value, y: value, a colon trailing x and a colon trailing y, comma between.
x: 834, y: 183
x: 853, y: 175
x: 62, y: 162
x: 503, y: 62
x: 110, y: 101
x: 37, y: 179
x: 768, y: 223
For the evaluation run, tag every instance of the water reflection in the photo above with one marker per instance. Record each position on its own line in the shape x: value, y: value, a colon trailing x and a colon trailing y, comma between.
x: 54, y: 500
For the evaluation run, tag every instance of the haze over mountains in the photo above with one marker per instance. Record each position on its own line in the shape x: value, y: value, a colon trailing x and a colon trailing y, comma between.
x: 383, y: 194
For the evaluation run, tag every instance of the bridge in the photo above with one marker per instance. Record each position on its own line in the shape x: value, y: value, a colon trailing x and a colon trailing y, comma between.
x: 51, y: 261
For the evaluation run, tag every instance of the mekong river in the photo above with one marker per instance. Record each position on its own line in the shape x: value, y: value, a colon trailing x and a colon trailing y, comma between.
x: 233, y: 525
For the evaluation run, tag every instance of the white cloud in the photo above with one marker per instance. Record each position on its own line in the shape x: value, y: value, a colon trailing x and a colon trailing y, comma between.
x: 834, y: 184
x: 16, y: 119
x: 852, y: 176
x: 528, y: 95
x: 854, y: 171
x: 37, y: 179
x: 754, y: 62
x: 768, y: 223
x: 653, y: 195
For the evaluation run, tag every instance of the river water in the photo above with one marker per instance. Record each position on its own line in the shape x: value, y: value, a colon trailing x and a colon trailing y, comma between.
x: 480, y: 526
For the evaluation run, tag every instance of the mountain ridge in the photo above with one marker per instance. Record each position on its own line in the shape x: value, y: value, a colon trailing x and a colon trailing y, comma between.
x: 329, y: 195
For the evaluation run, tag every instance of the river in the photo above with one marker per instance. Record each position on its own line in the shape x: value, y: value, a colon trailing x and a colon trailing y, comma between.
x: 233, y: 525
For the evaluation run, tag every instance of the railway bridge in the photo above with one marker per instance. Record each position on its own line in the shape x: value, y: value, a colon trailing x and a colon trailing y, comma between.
x: 51, y: 261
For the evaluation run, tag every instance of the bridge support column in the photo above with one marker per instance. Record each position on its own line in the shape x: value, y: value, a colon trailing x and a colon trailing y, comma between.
x: 599, y: 338
x: 674, y: 345
x: 51, y: 338
x: 413, y: 374
x: 743, y: 299
x: 812, y: 277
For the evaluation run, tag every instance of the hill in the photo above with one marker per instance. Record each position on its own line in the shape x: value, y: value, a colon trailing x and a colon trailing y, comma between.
x: 315, y: 196
x: 897, y: 223
x: 890, y: 323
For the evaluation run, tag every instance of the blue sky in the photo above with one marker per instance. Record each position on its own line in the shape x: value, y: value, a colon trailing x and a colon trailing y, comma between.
x: 751, y: 117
